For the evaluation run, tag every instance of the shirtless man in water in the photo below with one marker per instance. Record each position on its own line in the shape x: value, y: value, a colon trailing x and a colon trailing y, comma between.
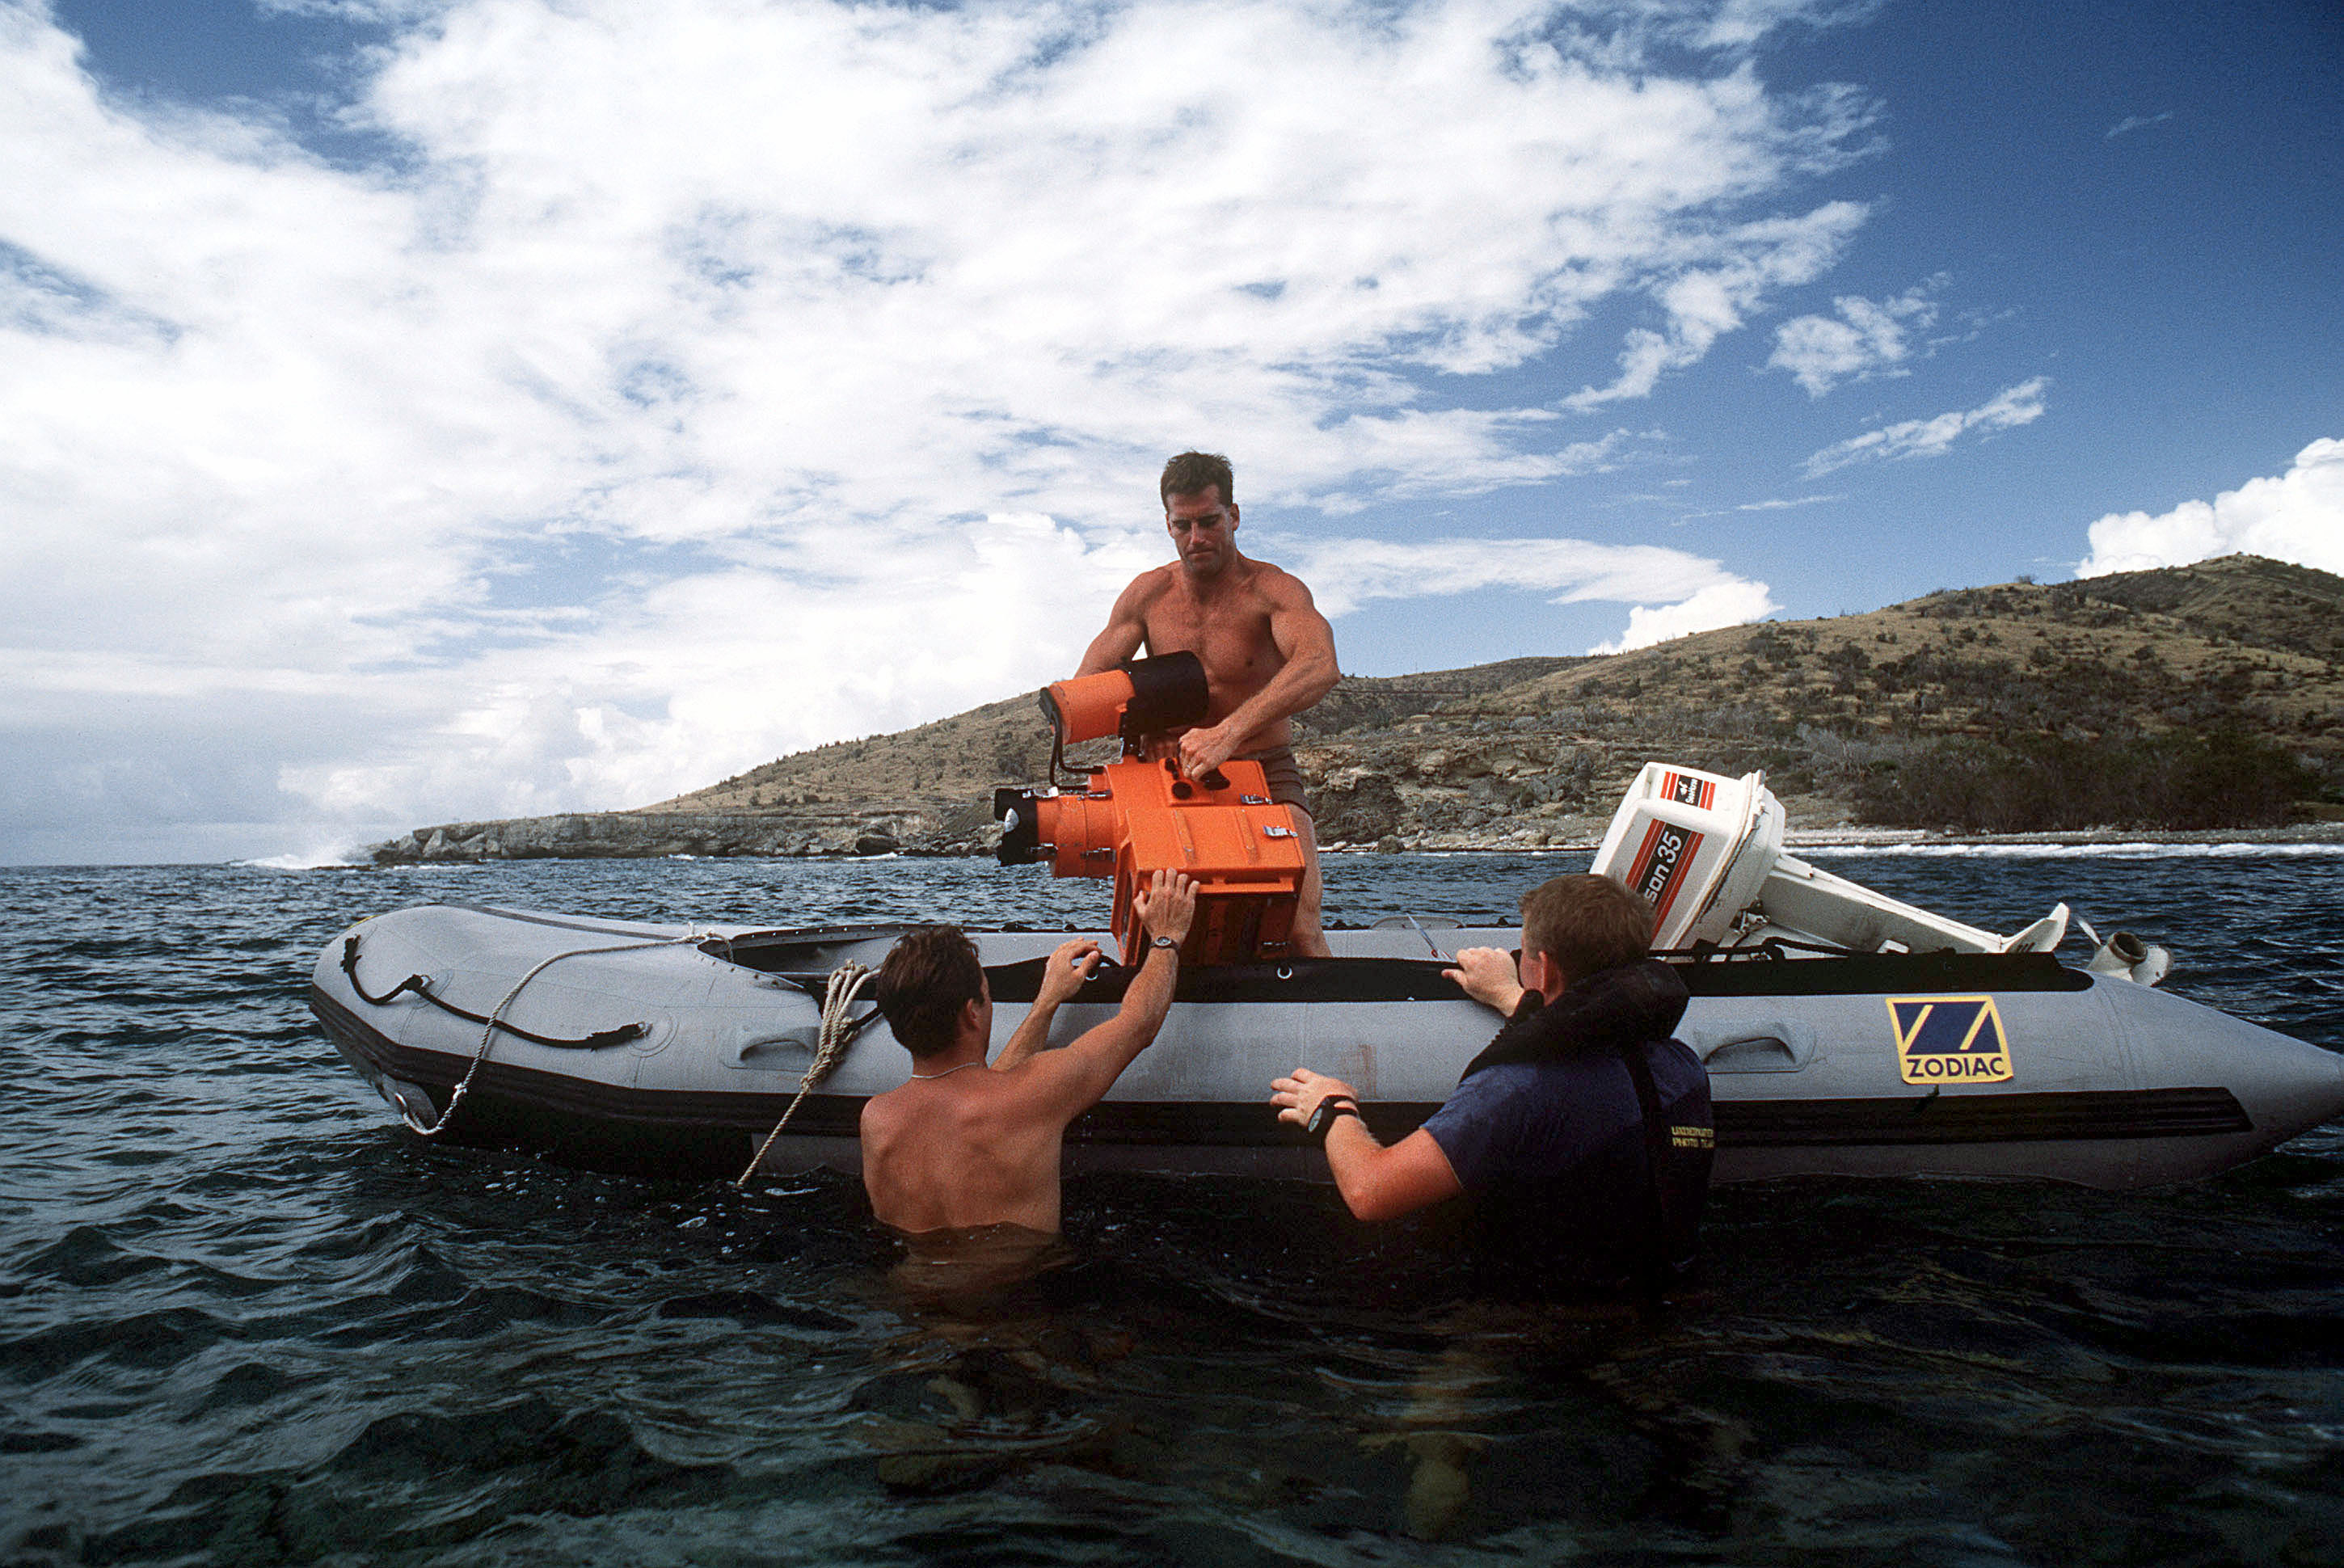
x: 963, y: 1146
x: 1266, y: 651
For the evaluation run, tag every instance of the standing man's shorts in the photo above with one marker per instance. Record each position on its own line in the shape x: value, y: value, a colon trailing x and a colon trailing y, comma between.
x: 1285, y: 776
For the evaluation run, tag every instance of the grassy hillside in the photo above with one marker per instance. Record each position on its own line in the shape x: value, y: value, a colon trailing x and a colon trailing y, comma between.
x: 2205, y: 695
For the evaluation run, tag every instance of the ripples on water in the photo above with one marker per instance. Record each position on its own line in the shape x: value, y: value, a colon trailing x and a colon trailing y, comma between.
x: 244, y: 1317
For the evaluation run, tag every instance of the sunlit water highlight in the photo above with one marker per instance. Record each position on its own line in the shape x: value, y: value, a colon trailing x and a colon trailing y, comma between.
x: 244, y: 1317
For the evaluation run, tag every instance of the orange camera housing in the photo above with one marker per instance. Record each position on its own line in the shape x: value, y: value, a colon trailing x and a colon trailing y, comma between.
x: 1136, y: 817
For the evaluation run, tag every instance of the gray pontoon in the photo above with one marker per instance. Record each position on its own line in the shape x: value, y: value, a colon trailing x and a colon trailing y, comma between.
x: 1845, y: 1033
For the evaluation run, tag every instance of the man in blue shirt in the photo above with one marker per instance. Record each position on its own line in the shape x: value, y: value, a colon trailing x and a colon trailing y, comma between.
x: 1582, y: 1134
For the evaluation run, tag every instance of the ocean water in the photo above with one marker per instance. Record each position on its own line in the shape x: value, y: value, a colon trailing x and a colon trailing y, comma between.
x: 246, y: 1318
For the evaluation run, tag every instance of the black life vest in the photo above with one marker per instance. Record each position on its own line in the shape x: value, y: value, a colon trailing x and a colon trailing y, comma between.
x: 1630, y: 1012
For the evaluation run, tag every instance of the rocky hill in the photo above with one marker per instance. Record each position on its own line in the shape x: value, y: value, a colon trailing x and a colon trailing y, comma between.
x: 2202, y: 696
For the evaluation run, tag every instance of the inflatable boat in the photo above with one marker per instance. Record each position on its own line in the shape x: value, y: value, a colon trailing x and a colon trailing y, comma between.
x: 1845, y: 1033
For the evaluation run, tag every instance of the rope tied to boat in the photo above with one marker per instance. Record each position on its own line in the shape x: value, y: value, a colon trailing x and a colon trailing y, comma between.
x: 838, y: 1032
x: 495, y: 1021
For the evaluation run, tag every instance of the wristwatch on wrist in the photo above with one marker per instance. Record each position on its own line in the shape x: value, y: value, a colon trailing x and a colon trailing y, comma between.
x: 1163, y: 942
x: 1323, y: 1116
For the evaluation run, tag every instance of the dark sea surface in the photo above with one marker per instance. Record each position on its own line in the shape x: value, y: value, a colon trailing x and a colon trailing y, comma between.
x: 246, y: 1317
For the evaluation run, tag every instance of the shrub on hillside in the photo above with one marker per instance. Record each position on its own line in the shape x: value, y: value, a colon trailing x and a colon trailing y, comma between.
x: 2220, y: 778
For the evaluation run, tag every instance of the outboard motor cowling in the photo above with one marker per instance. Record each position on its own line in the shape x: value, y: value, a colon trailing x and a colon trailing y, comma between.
x: 1696, y: 847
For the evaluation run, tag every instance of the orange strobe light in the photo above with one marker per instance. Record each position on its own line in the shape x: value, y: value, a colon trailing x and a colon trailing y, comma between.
x: 1136, y: 817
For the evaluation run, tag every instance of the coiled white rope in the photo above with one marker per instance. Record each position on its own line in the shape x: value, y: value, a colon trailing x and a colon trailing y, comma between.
x: 846, y: 983
x: 496, y: 1016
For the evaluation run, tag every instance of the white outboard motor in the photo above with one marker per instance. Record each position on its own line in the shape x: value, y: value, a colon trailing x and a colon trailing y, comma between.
x: 1696, y: 847
x: 1702, y: 849
x: 2125, y: 956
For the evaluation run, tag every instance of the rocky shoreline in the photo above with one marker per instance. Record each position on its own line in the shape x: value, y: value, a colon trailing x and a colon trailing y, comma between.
x: 650, y: 835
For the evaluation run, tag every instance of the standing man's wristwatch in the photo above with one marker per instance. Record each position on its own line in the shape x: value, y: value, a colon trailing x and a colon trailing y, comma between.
x: 1324, y: 1115
x: 1163, y: 942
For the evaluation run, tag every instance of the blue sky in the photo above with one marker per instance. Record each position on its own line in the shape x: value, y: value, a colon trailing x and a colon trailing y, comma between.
x: 420, y: 410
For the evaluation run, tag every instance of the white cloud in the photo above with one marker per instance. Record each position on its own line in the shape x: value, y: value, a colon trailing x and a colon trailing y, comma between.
x: 850, y: 335
x: 2136, y: 123
x: 1868, y: 339
x: 1787, y: 503
x: 1703, y: 301
x: 1746, y: 22
x: 1345, y: 573
x: 1408, y: 455
x: 2297, y: 517
x: 2006, y: 410
x: 1698, y: 594
x: 696, y: 678
x: 1720, y: 605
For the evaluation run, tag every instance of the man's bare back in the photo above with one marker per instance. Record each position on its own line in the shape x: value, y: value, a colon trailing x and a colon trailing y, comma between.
x: 939, y: 1156
x: 962, y: 1145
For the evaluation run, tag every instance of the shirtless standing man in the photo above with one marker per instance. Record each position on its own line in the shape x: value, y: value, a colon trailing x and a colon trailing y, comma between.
x: 1266, y: 651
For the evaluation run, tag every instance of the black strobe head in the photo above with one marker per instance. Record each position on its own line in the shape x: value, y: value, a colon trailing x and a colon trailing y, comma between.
x: 1167, y: 692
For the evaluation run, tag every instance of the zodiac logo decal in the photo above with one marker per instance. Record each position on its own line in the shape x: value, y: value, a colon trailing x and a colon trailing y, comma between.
x: 1949, y: 1041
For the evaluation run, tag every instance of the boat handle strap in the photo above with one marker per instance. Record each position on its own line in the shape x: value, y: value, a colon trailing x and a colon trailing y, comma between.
x: 618, y: 1035
x: 495, y: 1020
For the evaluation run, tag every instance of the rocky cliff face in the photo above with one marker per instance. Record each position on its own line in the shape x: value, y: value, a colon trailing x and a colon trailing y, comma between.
x: 1530, y: 752
x: 636, y: 835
